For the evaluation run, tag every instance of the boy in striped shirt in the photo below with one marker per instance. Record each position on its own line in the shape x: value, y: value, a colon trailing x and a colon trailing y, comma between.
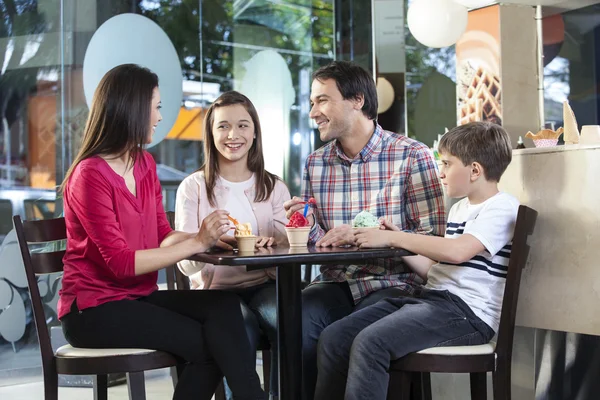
x: 461, y: 302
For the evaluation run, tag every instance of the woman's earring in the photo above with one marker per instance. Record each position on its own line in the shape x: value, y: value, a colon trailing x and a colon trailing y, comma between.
x: 254, y: 136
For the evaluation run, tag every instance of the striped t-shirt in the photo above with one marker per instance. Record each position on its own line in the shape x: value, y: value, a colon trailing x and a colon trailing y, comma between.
x: 480, y: 281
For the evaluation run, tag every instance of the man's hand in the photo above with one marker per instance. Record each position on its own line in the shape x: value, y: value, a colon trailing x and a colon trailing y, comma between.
x: 366, y: 237
x: 213, y: 227
x: 297, y: 204
x: 342, y: 235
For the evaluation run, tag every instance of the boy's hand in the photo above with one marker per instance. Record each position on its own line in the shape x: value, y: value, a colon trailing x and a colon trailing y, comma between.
x: 373, y: 237
x: 342, y: 235
x: 386, y: 223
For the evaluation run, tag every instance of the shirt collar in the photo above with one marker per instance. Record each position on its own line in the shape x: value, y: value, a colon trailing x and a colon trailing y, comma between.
x: 372, y: 147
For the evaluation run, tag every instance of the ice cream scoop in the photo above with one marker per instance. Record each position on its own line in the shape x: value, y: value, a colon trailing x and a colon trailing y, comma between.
x: 365, y: 219
x: 243, y: 229
x: 297, y: 221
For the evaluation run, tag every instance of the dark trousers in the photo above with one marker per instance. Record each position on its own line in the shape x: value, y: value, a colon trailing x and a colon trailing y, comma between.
x: 322, y: 305
x: 259, y: 309
x: 354, y: 353
x: 203, y: 327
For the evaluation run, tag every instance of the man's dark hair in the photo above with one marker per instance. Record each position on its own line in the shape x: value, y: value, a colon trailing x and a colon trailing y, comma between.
x: 352, y: 81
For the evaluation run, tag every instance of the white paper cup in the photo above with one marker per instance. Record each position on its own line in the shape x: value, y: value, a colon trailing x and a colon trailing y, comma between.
x: 246, y: 244
x: 297, y: 237
x: 590, y: 134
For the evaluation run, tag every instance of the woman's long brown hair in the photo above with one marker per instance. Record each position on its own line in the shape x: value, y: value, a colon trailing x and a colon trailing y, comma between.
x: 265, y: 181
x: 119, y: 119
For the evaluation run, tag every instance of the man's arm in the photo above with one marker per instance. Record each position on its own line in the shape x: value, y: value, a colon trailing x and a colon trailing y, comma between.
x: 425, y: 212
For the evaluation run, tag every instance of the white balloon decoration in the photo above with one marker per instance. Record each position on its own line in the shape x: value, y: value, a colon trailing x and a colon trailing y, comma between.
x: 474, y: 3
x: 437, y: 23
x: 385, y: 95
x: 133, y: 38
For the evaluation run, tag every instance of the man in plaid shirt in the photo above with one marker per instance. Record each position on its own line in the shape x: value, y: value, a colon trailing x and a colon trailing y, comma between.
x: 363, y: 167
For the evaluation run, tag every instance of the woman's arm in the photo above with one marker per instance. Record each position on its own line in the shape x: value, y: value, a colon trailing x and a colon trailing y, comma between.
x: 90, y: 197
x: 175, y: 237
x: 213, y: 226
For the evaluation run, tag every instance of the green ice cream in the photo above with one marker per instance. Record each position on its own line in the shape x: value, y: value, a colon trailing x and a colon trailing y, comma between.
x: 365, y: 219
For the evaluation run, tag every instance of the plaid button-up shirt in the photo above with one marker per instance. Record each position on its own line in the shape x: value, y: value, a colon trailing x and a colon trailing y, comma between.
x: 393, y: 177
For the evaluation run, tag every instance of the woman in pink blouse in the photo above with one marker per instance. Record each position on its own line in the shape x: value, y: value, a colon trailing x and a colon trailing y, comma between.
x: 234, y: 178
x: 118, y: 238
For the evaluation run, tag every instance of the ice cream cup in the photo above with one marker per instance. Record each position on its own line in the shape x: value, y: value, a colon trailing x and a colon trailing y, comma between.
x: 246, y: 244
x: 298, y: 237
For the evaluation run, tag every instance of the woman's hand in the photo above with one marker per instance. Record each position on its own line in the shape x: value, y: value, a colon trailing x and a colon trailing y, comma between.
x: 265, y: 241
x: 213, y: 227
x: 226, y: 242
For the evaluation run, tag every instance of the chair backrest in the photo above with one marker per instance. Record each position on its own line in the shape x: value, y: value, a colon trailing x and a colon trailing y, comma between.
x: 32, y: 232
x: 176, y: 280
x: 526, y: 218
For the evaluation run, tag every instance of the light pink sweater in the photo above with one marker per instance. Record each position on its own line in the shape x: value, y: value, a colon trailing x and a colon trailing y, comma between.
x: 192, y: 207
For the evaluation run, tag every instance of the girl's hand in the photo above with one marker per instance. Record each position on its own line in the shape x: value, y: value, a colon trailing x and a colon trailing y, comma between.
x: 213, y: 227
x: 264, y: 241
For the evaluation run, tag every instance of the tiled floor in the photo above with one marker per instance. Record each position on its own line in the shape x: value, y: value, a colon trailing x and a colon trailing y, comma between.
x: 159, y: 386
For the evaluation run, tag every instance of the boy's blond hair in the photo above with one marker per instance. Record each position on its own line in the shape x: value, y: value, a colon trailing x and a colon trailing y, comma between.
x: 482, y: 142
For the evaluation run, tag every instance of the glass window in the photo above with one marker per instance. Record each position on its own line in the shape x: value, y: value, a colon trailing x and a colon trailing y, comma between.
x: 6, y: 213
x: 571, y: 49
x: 265, y: 49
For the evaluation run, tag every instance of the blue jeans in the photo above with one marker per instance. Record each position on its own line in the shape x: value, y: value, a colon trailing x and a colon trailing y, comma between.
x: 259, y: 309
x: 322, y: 305
x: 354, y: 353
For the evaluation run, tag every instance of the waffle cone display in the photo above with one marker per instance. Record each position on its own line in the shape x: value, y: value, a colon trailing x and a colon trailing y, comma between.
x: 482, y: 101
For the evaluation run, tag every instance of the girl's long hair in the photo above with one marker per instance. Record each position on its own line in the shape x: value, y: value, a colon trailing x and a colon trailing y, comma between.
x: 265, y: 181
x: 119, y: 119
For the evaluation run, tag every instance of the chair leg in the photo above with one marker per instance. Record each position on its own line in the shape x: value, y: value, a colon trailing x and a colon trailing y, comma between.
x: 220, y: 392
x: 399, y: 385
x: 50, y: 386
x: 478, y: 386
x: 266, y: 359
x: 174, y: 376
x: 502, y: 384
x: 421, y: 386
x: 100, y: 387
x: 136, y: 385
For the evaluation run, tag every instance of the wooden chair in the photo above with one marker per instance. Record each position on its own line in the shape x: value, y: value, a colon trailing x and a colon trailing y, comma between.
x: 176, y: 280
x: 69, y: 360
x: 475, y: 360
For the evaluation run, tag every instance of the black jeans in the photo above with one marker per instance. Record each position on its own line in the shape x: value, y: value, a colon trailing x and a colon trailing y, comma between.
x: 355, y: 352
x: 203, y: 327
x: 322, y: 305
x: 259, y: 309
